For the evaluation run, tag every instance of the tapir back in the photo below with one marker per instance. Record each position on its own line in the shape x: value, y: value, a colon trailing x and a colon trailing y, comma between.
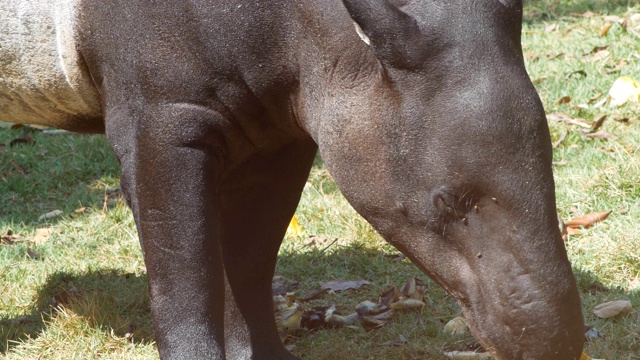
x: 43, y: 79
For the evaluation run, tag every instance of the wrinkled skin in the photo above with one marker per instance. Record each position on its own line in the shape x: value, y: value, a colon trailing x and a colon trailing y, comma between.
x: 433, y: 132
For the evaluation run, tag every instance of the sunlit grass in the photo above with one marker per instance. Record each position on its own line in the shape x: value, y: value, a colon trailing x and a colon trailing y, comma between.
x: 82, y: 294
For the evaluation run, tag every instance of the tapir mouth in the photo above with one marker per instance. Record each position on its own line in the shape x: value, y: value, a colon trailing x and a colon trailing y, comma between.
x: 517, y: 321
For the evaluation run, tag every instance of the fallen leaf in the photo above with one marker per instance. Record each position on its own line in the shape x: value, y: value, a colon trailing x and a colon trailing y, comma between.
x: 586, y: 14
x: 413, y: 288
x: 551, y: 56
x: 592, y: 333
x: 617, y: 68
x: 595, y: 97
x: 50, y: 215
x: 564, y: 100
x: 605, y: 29
x: 612, y: 308
x: 551, y: 27
x: 456, y: 326
x: 340, y: 285
x: 370, y: 308
x: 33, y: 255
x: 334, y: 319
x: 467, y: 355
x: 598, y: 123
x: 587, y: 220
x: 289, y: 317
x: 41, y: 236
x: 295, y: 229
x: 599, y: 55
x: 408, y: 304
x: 568, y: 119
x: 10, y: 238
x: 624, y: 89
x: 596, y: 49
x: 572, y: 231
x: 397, y: 342
x: 600, y: 135
x: 378, y: 320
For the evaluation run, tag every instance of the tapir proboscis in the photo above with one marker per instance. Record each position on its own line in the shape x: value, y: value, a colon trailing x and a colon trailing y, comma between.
x: 421, y: 109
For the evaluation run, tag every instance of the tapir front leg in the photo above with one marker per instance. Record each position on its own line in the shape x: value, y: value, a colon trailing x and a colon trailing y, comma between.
x: 170, y: 172
x: 257, y: 202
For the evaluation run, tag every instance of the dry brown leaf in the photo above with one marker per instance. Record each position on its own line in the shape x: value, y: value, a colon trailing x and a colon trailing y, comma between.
x: 617, y: 68
x: 377, y: 320
x: 612, y: 308
x: 572, y: 231
x: 594, y: 97
x: 41, y: 236
x: 467, y: 355
x: 370, y: 308
x: 600, y: 135
x: 586, y: 14
x: 568, y: 119
x: 551, y: 56
x: 397, y: 342
x: 50, y: 215
x: 564, y: 100
x: 10, y: 238
x: 456, y: 326
x: 340, y: 285
x: 408, y: 304
x: 596, y: 49
x: 605, y: 29
x: 596, y: 125
x: 587, y: 220
x: 599, y: 55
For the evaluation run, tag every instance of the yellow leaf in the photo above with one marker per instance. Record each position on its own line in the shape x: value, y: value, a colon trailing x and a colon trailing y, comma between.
x: 624, y: 89
x: 605, y: 29
x: 295, y: 229
x: 585, y: 357
x: 289, y: 317
x: 41, y: 236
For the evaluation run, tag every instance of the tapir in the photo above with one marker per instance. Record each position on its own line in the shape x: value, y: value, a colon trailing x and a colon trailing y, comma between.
x: 421, y: 109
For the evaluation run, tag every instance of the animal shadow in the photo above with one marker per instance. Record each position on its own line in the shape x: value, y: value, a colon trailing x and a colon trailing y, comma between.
x: 105, y: 299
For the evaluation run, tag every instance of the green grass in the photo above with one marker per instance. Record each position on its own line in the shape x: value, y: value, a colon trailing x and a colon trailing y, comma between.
x: 84, y: 294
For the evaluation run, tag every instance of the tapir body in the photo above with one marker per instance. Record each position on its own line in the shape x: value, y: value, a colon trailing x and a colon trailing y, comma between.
x: 422, y: 111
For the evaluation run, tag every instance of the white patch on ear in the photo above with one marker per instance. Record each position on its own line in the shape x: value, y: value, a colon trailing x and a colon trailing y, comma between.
x: 361, y: 34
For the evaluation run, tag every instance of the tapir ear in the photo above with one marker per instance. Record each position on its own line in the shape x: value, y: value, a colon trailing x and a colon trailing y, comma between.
x: 395, y: 36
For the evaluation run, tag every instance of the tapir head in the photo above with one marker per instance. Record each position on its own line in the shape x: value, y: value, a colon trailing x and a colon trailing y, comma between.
x: 447, y: 153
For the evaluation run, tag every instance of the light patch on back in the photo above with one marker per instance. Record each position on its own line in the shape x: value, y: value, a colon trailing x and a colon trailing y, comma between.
x: 361, y: 34
x: 43, y: 78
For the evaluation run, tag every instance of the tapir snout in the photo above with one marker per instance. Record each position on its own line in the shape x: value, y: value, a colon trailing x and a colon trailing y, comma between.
x: 422, y: 111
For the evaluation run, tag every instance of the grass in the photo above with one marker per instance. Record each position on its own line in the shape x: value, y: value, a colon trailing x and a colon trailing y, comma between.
x: 82, y: 293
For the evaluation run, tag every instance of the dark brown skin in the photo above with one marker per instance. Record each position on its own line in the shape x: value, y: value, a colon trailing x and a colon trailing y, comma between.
x: 434, y: 133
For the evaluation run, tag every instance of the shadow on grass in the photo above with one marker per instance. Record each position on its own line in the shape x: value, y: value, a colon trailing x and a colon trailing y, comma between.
x: 107, y: 300
x: 118, y: 303
x: 544, y: 10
